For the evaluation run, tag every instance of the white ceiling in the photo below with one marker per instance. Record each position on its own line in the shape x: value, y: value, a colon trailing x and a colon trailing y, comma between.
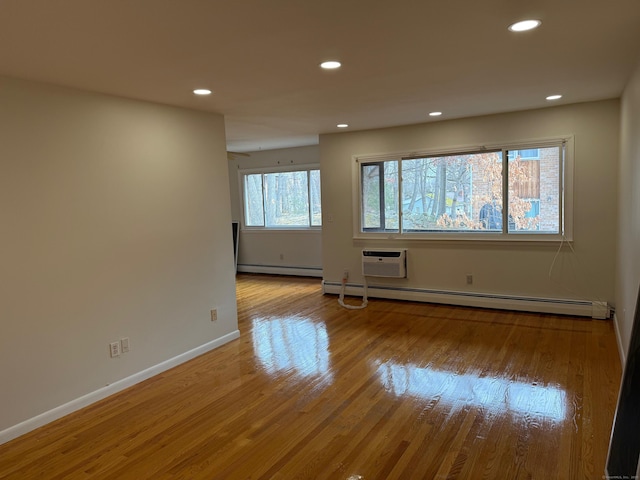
x: 401, y: 59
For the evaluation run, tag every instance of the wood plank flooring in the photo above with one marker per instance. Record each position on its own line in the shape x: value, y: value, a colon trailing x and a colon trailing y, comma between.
x: 398, y: 390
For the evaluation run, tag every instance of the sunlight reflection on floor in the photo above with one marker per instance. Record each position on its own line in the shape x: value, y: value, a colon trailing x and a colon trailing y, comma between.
x: 496, y: 395
x: 301, y: 346
x: 292, y: 344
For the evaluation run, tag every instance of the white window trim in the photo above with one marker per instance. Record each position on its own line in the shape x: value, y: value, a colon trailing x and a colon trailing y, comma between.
x: 274, y: 169
x: 565, y: 189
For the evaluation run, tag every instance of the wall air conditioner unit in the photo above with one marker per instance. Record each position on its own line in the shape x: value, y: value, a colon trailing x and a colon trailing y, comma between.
x: 384, y: 263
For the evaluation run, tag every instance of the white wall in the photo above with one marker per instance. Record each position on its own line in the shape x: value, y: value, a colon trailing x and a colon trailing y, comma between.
x: 276, y: 251
x: 114, y: 222
x: 628, y: 271
x: 587, y: 274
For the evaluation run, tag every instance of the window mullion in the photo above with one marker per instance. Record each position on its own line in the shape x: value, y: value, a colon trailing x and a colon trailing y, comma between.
x: 399, y: 205
x: 383, y: 220
x: 309, y: 196
x: 264, y: 203
x: 505, y: 191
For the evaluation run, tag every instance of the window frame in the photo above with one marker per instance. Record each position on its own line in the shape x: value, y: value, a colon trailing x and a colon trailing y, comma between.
x: 308, y: 168
x: 565, y: 193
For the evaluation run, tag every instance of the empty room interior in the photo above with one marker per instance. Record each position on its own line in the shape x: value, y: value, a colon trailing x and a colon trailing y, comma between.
x: 351, y: 241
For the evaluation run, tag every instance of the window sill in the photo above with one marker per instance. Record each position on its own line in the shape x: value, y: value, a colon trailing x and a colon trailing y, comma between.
x: 457, y: 239
x: 280, y: 230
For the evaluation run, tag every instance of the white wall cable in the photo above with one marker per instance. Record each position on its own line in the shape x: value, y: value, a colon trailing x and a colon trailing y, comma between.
x: 576, y: 270
x: 365, y: 301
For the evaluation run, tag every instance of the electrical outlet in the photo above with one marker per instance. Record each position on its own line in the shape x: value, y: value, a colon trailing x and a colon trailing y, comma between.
x: 114, y: 349
x: 345, y: 274
x: 214, y: 315
x: 124, y: 345
x: 469, y: 279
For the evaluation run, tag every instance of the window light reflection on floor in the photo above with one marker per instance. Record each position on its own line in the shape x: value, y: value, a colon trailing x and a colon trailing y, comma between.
x: 292, y: 344
x: 494, y: 394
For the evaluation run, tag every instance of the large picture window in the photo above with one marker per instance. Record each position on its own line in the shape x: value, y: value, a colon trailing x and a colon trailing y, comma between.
x: 281, y: 199
x: 501, y: 191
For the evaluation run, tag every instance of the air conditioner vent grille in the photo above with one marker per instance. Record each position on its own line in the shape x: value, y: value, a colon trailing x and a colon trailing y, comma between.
x: 384, y: 263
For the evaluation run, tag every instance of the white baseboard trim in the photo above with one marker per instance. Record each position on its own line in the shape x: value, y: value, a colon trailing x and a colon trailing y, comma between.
x: 473, y: 299
x: 623, y: 357
x: 86, y: 400
x: 281, y: 270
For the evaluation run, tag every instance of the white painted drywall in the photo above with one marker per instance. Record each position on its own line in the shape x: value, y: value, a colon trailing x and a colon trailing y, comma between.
x: 628, y: 271
x: 114, y: 222
x: 587, y: 274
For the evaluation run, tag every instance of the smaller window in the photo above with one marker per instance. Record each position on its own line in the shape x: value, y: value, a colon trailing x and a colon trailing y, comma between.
x: 253, y: 201
x: 314, y: 198
x: 380, y: 196
x: 281, y: 199
x: 534, y: 190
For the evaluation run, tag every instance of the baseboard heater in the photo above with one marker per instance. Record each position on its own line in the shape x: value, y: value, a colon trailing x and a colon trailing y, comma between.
x: 281, y: 270
x: 582, y: 308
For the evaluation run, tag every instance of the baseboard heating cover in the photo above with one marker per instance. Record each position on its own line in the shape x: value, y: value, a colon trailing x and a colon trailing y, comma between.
x: 582, y: 308
x: 281, y: 270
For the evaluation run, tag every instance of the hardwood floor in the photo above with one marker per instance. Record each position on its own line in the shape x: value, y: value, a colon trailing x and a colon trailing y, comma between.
x: 398, y: 390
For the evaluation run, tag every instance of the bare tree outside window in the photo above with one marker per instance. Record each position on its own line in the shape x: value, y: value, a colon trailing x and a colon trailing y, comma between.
x: 253, y: 205
x: 315, y: 198
x: 282, y: 199
x: 449, y: 192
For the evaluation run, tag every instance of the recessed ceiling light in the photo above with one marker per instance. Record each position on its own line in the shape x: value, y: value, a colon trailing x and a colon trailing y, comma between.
x: 525, y: 25
x: 202, y: 91
x: 342, y: 125
x: 554, y: 97
x: 435, y: 114
x: 330, y: 65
